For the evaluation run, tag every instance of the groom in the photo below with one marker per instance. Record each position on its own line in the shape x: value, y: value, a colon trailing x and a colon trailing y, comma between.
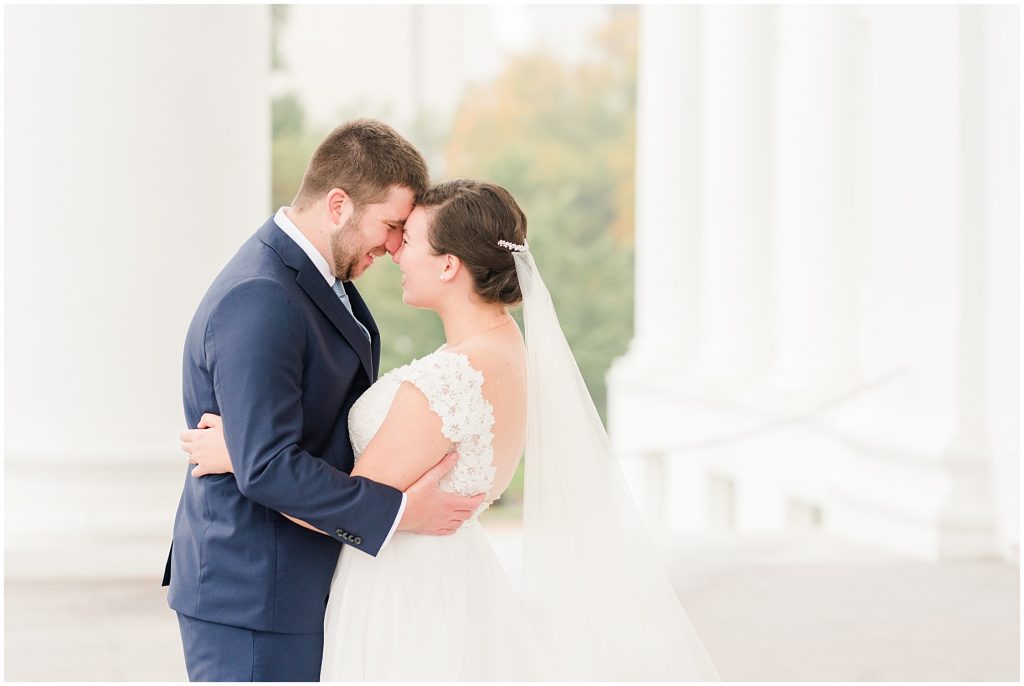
x: 281, y: 346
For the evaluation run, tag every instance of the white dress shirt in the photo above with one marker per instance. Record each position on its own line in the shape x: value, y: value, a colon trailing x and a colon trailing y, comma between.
x: 288, y: 226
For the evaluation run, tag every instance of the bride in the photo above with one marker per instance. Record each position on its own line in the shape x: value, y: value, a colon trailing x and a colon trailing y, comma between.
x: 595, y: 605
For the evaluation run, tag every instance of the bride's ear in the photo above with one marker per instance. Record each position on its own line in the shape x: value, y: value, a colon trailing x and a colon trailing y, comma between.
x: 450, y: 268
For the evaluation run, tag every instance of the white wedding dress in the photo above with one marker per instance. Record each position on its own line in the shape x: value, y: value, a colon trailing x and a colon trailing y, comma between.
x: 596, y: 602
x: 430, y: 608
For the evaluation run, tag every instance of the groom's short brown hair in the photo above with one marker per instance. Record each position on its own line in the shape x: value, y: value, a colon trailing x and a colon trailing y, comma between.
x: 364, y: 158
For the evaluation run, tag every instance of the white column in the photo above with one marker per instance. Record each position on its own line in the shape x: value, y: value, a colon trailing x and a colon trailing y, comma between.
x: 735, y: 239
x: 814, y: 258
x: 137, y: 161
x: 912, y: 280
x: 1001, y: 246
x: 921, y: 478
x: 640, y: 420
x: 966, y: 524
x: 667, y: 186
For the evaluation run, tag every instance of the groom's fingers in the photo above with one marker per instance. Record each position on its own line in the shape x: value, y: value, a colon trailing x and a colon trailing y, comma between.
x: 459, y: 503
x: 443, y: 467
x: 468, y: 504
x: 190, y: 436
x: 208, y: 421
x: 447, y: 462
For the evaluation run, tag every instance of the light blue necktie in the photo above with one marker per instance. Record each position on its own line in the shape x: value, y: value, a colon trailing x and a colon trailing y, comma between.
x: 339, y: 290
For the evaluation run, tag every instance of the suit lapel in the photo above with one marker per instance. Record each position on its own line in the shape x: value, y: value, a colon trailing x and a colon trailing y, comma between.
x: 362, y: 312
x: 313, y: 283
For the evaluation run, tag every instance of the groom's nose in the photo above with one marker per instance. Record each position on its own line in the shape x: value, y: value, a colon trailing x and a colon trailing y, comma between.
x: 394, y: 242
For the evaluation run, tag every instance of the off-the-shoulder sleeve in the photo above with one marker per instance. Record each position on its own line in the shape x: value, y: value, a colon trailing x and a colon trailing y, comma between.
x: 454, y: 392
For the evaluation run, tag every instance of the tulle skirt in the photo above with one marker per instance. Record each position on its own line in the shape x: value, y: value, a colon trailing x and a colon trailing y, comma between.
x: 428, y: 608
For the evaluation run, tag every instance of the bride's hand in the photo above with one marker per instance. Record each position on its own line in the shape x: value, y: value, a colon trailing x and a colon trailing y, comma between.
x: 206, y: 447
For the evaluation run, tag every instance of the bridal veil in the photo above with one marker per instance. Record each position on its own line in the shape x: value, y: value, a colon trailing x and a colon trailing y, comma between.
x: 594, y: 590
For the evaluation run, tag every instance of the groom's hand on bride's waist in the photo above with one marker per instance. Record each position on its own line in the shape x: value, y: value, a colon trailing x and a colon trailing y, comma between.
x: 430, y: 510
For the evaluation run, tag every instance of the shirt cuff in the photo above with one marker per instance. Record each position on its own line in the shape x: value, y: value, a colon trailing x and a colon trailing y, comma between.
x: 398, y: 518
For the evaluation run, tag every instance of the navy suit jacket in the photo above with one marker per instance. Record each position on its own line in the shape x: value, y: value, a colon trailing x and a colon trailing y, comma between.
x: 274, y: 352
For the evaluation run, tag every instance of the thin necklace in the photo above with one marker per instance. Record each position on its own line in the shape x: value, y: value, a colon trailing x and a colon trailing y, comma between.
x: 496, y: 326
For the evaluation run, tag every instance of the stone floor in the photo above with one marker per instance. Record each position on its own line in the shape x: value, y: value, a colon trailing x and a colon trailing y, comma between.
x: 768, y: 607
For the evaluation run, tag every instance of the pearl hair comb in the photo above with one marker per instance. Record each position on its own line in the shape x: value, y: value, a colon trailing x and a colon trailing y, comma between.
x: 514, y: 247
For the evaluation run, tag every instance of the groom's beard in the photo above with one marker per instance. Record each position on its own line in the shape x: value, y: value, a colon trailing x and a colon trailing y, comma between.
x: 345, y: 250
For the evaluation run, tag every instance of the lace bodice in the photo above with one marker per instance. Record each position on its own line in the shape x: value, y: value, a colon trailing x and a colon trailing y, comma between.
x: 454, y: 391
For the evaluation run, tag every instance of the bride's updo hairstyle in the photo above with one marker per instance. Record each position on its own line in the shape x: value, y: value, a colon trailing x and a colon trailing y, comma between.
x: 468, y: 219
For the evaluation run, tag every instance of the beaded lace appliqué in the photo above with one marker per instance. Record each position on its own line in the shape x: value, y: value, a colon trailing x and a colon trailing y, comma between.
x: 454, y: 391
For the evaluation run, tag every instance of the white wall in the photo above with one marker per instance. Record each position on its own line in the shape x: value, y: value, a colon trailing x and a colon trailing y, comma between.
x: 137, y: 160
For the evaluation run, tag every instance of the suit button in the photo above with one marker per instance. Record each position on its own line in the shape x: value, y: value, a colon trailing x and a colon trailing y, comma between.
x: 358, y: 540
x: 340, y: 532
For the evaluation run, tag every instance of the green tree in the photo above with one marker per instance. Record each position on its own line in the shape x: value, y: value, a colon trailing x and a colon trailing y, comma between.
x: 278, y: 20
x: 561, y: 139
x: 291, y: 148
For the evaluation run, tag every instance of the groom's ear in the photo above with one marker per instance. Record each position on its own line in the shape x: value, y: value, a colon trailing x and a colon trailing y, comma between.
x: 339, y: 205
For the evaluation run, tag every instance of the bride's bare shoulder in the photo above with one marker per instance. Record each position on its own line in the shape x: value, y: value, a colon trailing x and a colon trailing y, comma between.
x: 497, y: 356
x: 501, y: 344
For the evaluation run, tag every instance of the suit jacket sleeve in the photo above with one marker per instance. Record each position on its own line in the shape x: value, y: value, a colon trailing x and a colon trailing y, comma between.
x: 255, y: 344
